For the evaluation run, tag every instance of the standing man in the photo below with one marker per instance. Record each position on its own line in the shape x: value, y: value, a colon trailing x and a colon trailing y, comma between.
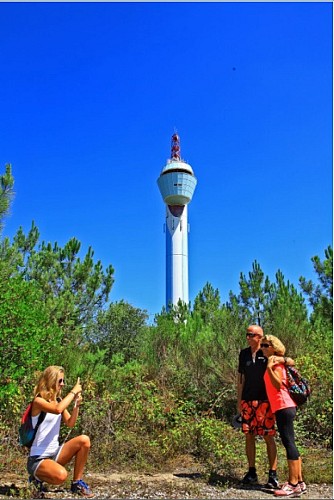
x: 253, y: 404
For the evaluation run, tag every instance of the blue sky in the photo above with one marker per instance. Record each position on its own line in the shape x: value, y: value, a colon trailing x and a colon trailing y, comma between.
x: 91, y: 94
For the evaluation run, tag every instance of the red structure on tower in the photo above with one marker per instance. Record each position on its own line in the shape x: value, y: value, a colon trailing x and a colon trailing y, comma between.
x: 175, y: 148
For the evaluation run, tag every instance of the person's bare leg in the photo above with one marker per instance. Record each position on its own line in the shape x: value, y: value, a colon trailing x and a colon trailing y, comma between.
x: 77, y: 447
x: 271, y: 451
x: 51, y: 472
x: 294, y: 466
x: 300, y: 474
x: 250, y: 449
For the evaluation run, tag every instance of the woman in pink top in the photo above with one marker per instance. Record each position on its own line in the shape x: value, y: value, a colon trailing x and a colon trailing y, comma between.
x: 284, y: 407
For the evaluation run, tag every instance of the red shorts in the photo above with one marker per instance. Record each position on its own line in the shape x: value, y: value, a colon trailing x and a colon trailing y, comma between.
x: 257, y: 418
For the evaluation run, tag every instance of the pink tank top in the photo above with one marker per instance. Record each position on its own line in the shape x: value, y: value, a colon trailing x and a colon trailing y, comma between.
x: 278, y: 398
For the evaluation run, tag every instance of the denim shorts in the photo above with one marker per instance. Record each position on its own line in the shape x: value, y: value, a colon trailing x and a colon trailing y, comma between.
x: 35, y: 461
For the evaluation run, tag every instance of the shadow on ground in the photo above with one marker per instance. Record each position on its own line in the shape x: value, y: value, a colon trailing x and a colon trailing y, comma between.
x: 11, y: 490
x: 232, y: 481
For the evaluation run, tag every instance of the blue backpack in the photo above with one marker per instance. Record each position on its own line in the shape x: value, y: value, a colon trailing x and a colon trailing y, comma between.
x: 27, y: 432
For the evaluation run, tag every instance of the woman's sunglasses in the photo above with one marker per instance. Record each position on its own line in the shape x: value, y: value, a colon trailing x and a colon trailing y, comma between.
x: 61, y: 381
x: 265, y: 346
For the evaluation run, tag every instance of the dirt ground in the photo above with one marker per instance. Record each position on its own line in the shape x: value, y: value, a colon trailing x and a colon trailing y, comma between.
x: 177, y: 485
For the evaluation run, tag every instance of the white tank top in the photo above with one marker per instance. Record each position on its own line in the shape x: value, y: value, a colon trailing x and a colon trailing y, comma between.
x: 46, y: 440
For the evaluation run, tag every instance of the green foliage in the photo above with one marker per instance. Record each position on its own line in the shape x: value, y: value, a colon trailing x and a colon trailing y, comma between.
x: 135, y: 421
x: 252, y: 299
x: 207, y: 303
x: 321, y: 295
x: 73, y: 289
x: 29, y: 340
x: 81, y: 361
x: 6, y: 193
x: 286, y: 315
x: 217, y: 443
x: 316, y: 417
x: 158, y: 341
x: 118, y: 330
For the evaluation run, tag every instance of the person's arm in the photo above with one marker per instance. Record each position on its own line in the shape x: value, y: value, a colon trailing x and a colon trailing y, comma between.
x: 69, y: 419
x: 240, y: 386
x: 274, y: 375
x: 289, y: 361
x: 240, y: 380
x: 57, y: 407
x: 284, y: 361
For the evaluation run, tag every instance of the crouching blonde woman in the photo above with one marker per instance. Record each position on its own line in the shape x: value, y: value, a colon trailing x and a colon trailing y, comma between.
x: 284, y: 408
x: 47, y: 458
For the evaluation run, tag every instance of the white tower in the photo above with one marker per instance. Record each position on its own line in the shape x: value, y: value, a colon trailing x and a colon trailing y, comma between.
x: 177, y: 185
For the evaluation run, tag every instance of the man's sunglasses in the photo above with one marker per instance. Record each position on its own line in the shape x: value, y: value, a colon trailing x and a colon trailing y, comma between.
x: 266, y: 346
x: 251, y: 335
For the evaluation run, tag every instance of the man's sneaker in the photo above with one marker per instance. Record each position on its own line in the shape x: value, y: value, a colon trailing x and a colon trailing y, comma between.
x: 272, y: 483
x: 81, y: 488
x: 288, y: 490
x: 303, y: 487
x: 250, y: 478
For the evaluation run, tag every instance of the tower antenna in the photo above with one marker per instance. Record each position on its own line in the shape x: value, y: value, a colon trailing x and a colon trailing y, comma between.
x: 175, y: 153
